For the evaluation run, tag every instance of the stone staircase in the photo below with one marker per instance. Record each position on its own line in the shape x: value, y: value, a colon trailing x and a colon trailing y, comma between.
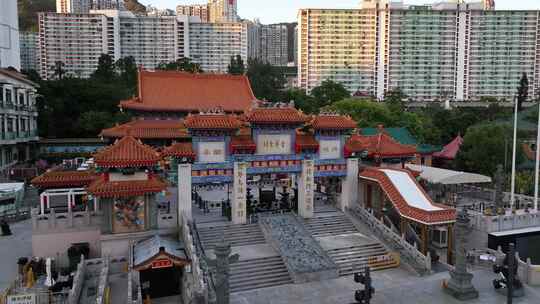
x: 330, y: 225
x: 355, y: 258
x: 258, y: 273
x: 236, y: 235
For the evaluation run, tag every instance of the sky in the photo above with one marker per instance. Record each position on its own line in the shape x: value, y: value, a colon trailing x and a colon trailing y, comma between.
x: 274, y: 11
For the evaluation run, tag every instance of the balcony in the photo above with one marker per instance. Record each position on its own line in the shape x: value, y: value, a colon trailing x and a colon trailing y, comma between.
x: 8, y: 135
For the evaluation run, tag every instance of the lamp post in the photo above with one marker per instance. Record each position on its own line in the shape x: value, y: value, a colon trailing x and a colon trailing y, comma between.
x: 537, y: 164
x: 513, y: 180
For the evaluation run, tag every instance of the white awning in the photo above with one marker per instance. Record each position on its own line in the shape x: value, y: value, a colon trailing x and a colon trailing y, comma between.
x: 410, y: 190
x: 448, y: 177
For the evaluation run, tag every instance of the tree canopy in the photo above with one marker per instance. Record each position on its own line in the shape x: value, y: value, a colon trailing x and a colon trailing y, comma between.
x: 267, y: 81
x: 484, y: 148
x: 236, y: 67
x: 183, y: 64
x: 74, y: 107
x: 523, y: 91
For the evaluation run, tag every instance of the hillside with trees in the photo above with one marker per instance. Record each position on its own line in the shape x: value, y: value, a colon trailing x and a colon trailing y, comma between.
x: 28, y: 9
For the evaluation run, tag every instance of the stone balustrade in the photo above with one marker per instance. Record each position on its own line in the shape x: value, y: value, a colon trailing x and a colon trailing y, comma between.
x: 407, y: 251
x: 103, y: 282
x: 59, y: 222
x: 490, y: 224
x: 305, y: 259
x: 528, y: 273
x: 78, y: 281
x: 195, y: 284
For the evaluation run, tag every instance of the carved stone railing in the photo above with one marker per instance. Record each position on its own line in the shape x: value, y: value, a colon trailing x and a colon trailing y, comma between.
x: 199, y: 284
x: 78, y: 280
x: 408, y: 252
x: 529, y: 273
x: 305, y: 259
x: 57, y: 222
x: 490, y: 224
x: 103, y: 282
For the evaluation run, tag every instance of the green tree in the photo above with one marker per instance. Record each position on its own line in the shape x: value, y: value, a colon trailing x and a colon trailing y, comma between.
x: 523, y: 91
x: 236, y: 67
x: 395, y: 99
x: 370, y: 114
x: 92, y: 122
x: 127, y: 71
x: 28, y: 9
x: 32, y: 75
x: 184, y: 64
x: 106, y: 70
x: 302, y: 101
x: 364, y: 112
x: 266, y: 80
x: 483, y: 148
x: 329, y: 92
x: 58, y: 70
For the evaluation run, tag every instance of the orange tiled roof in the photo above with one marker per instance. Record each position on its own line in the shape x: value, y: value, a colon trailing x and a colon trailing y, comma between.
x: 276, y: 115
x: 127, y: 152
x: 427, y: 217
x: 183, y: 149
x: 243, y: 142
x: 380, y: 145
x: 104, y: 188
x: 333, y: 122
x: 212, y: 121
x: 186, y: 92
x: 64, y: 179
x: 305, y: 141
x: 148, y: 129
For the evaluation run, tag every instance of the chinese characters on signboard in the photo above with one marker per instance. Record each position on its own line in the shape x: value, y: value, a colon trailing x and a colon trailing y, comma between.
x: 211, y: 152
x: 240, y: 193
x: 162, y: 263
x: 329, y: 149
x: 22, y: 299
x: 309, y: 182
x: 273, y: 144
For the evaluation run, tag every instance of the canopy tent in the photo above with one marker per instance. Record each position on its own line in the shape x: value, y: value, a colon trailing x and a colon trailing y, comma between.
x: 451, y: 150
x: 448, y: 177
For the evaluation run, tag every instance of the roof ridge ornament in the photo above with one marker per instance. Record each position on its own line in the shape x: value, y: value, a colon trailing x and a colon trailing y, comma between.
x: 212, y: 111
x: 328, y: 112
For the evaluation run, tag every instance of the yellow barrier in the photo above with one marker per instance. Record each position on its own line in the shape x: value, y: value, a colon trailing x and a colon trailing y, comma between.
x: 107, y: 295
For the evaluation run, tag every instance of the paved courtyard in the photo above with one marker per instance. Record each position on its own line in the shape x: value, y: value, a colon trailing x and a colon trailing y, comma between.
x: 11, y: 248
x: 392, y: 286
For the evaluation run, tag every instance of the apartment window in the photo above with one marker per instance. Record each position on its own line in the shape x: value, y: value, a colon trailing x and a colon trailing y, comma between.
x: 8, y: 96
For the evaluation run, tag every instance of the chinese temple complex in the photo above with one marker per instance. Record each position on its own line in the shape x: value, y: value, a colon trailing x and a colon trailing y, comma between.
x: 201, y: 132
x: 165, y: 94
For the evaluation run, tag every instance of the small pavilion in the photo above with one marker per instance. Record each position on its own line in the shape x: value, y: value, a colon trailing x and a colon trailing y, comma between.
x: 380, y: 150
x: 395, y: 196
x: 448, y: 154
x: 127, y: 185
x: 64, y: 190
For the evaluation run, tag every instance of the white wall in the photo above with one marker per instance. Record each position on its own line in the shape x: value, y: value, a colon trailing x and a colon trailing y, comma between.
x: 10, y: 54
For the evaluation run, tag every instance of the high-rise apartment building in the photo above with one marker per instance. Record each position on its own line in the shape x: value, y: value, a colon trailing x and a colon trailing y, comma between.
x: 457, y: 51
x: 9, y: 35
x: 213, y: 44
x: 274, y: 44
x: 78, y: 40
x: 84, y: 6
x: 29, y: 55
x: 198, y: 10
x: 339, y: 45
x: 223, y: 10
